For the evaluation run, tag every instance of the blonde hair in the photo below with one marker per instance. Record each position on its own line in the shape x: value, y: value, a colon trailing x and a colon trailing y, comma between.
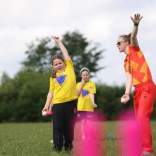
x: 126, y: 38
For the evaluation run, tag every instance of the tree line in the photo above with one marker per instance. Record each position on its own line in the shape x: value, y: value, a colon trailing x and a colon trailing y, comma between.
x: 23, y: 96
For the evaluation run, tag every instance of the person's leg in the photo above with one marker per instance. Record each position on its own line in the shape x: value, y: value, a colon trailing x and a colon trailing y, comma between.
x: 58, y: 126
x: 70, y: 117
x: 89, y: 124
x: 51, y: 141
x: 145, y: 109
x: 83, y: 124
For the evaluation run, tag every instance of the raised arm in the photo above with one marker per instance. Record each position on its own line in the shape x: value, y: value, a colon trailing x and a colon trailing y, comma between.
x: 62, y: 47
x: 136, y: 20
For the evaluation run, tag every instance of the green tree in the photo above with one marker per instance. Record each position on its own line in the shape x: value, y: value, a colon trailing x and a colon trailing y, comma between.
x: 4, y: 78
x: 108, y: 100
x: 84, y: 53
x: 23, y: 97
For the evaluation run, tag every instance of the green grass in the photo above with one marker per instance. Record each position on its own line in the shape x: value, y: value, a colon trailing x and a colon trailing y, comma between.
x: 33, y: 139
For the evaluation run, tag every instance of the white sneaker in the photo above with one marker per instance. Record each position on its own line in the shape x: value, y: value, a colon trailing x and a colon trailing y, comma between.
x: 146, y: 153
x: 51, y: 141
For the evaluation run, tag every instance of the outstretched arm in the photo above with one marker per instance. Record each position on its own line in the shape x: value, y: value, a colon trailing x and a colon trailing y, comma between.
x: 136, y: 20
x: 62, y: 47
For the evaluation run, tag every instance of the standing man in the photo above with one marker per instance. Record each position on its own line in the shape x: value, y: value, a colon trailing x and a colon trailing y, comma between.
x: 138, y: 74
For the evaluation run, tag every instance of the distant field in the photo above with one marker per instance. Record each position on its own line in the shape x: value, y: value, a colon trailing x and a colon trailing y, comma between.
x: 33, y: 139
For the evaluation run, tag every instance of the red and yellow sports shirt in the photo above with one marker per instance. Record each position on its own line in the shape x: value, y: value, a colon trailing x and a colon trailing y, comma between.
x: 136, y: 64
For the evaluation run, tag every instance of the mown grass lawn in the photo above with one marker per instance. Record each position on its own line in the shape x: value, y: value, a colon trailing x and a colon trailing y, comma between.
x: 33, y: 139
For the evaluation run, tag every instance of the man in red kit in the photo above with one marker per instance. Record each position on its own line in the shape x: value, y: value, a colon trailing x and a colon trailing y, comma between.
x: 138, y: 74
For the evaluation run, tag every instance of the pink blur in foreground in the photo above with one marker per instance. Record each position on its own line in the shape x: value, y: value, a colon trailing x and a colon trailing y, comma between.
x: 93, y: 144
x: 128, y: 135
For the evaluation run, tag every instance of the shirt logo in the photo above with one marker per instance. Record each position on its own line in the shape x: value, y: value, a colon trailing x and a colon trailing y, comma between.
x: 60, y: 79
x: 85, y: 92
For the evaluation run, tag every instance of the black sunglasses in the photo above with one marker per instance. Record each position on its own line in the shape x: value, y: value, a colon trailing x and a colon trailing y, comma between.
x: 118, y: 43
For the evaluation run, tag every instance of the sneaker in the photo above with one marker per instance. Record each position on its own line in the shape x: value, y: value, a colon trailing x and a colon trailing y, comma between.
x: 146, y: 153
x: 51, y: 141
x: 57, y: 149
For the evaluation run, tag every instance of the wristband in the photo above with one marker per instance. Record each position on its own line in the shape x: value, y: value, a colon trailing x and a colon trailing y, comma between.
x: 136, y: 24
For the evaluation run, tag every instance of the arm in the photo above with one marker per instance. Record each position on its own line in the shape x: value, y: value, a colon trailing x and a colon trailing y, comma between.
x: 136, y: 21
x: 92, y: 99
x: 80, y: 88
x: 62, y: 47
x: 51, y: 105
x: 128, y: 87
x: 48, y: 101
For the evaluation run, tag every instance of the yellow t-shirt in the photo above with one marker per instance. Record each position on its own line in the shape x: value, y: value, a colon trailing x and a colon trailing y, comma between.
x: 64, y: 85
x: 84, y: 99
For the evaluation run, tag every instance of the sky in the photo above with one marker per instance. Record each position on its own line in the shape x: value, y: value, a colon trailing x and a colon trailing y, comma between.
x: 100, y: 21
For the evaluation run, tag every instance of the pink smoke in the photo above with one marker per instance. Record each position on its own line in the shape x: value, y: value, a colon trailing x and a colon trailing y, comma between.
x: 128, y: 135
x: 93, y: 144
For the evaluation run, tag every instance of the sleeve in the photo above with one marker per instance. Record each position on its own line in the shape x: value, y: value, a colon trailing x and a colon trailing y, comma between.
x: 52, y: 85
x: 69, y: 64
x: 93, y: 88
x: 127, y: 67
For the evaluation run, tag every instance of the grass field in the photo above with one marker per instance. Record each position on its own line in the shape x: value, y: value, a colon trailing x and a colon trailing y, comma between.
x: 33, y: 139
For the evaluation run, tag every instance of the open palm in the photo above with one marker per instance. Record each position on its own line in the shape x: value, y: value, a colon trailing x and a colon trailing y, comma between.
x: 136, y: 18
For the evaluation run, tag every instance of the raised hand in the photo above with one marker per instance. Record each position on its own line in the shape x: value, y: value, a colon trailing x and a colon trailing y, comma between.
x: 136, y: 19
x: 56, y: 38
x: 83, y: 81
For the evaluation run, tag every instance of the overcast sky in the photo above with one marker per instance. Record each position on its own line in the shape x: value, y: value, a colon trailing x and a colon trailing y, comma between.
x: 102, y: 21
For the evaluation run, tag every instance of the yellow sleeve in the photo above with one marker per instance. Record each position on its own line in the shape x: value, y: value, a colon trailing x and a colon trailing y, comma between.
x: 52, y: 85
x: 69, y: 64
x: 93, y: 90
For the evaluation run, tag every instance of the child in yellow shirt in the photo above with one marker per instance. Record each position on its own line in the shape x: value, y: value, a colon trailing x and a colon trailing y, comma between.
x: 85, y: 91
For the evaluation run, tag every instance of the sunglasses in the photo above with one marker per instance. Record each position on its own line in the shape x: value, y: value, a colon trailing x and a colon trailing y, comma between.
x: 119, y: 43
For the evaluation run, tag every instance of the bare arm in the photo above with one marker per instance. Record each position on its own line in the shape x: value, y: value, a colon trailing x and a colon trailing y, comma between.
x: 80, y: 88
x: 48, y: 101
x: 136, y: 21
x: 62, y: 47
x: 128, y: 87
x: 51, y: 105
x: 92, y: 99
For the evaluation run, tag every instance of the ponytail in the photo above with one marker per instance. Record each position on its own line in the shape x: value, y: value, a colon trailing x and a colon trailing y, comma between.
x: 53, y: 74
x: 127, y: 38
